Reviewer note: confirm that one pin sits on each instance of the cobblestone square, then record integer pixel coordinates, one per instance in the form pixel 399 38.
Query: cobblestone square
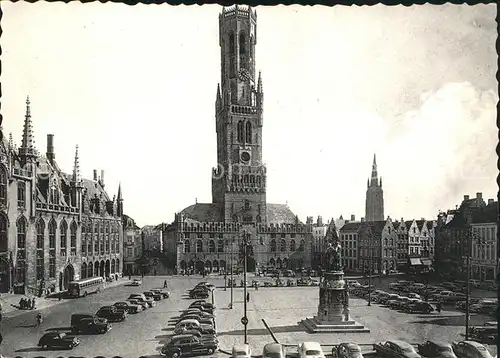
pixel 283 309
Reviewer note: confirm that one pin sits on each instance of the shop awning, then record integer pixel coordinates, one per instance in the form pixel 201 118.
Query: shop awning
pixel 426 262
pixel 415 262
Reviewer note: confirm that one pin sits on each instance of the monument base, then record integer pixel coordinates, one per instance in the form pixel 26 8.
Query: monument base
pixel 316 325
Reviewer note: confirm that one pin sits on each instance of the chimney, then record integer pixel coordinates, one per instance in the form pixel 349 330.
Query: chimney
pixel 402 220
pixel 353 217
pixel 362 220
pixel 102 178
pixel 50 148
pixel 466 197
pixel 95 174
pixel 423 219
pixel 479 196
pixel 491 201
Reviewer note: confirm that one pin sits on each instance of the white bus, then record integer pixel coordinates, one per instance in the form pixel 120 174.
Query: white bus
pixel 85 286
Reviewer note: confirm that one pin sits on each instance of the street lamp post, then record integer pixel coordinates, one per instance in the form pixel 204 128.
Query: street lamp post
pixel 244 320
pixel 232 279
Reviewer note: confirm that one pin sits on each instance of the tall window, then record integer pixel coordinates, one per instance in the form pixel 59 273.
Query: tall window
pixel 292 246
pixel 220 245
pixel 282 245
pixel 52 248
pixel 232 65
pixel 240 131
pixel 248 132
pixel 89 240
pixel 243 50
pixel 54 193
pixel 199 246
pixel 211 246
pixel 40 242
pixel 4 246
pixel 72 236
pixel 63 237
pixel 3 186
pixel 187 246
pixel 302 245
pixel 21 194
pixel 96 238
pixel 273 245
pixel 83 240
pixel 107 238
pixel 21 250
pixel 101 238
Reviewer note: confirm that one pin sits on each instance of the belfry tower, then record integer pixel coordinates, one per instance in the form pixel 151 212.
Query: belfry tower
pixel 239 181
pixel 374 196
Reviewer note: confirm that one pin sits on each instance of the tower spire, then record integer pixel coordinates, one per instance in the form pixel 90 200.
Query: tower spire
pixel 119 204
pixel 76 167
pixel 28 141
pixel 11 142
pixel 374 178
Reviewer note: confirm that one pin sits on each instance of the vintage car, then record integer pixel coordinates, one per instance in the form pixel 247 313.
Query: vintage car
pixel 89 324
pixel 127 306
pixel 165 294
pixel 347 350
pixel 419 307
pixel 395 348
pixel 310 350
pixel 198 313
pixel 136 282
pixel 241 350
pixel 199 293
pixel 153 295
pixel 188 324
pixel 188 345
pixel 143 298
pixel 111 313
pixel 201 335
pixel 143 304
pixel 484 334
pixel 202 304
pixel 202 320
pixel 273 350
pixel 436 349
pixel 58 340
pixel 470 349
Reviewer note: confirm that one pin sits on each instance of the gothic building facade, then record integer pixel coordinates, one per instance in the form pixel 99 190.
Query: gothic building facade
pixel 207 235
pixel 374 196
pixel 54 227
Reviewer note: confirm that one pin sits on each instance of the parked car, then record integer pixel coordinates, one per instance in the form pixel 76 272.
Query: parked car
pixel 141 297
pixel 205 284
pixel 419 307
pixel 153 296
pixel 58 340
pixel 199 293
pixel 475 283
pixel 273 350
pixel 202 320
pixel 128 307
pixel 136 282
pixel 187 324
pixel 460 305
pixel 165 294
pixel 143 304
pixel 200 304
pixel 197 314
pixel 88 323
pixel 112 314
pixel 414 295
pixel 485 306
pixel 347 350
pixel 310 350
pixel 484 334
pixel 470 349
pixel 201 335
pixel 241 350
pixel 436 349
pixel 395 348
pixel 188 345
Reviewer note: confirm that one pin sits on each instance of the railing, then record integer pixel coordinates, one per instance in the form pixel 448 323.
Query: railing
pixel 55 207
pixel 243 109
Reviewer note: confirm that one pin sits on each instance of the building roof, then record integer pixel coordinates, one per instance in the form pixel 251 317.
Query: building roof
pixel 408 223
pixel 488 214
pixel 377 226
pixel 420 224
pixel 351 226
pixel 280 213
pixel 396 224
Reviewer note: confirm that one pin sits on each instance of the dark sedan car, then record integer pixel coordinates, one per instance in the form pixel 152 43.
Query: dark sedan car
pixel 202 304
pixel 198 334
pixel 395 349
pixel 419 307
pixel 165 294
pixel 188 345
pixel 198 314
pixel 152 295
pixel 128 307
pixel 436 349
pixel 58 340
pixel 198 294
pixel 202 320
pixel 112 314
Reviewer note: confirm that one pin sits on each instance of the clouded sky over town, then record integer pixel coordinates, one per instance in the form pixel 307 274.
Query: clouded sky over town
pixel 135 88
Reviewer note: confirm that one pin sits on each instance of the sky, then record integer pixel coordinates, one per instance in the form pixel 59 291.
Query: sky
pixel 135 87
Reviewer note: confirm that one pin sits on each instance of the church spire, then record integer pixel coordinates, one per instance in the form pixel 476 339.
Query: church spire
pixel 27 148
pixel 11 142
pixel 374 178
pixel 76 167
pixel 119 199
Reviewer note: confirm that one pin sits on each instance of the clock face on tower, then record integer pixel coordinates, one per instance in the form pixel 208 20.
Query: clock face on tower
pixel 245 157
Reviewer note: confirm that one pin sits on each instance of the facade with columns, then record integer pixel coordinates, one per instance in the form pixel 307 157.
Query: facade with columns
pixel 209 236
pixel 54 227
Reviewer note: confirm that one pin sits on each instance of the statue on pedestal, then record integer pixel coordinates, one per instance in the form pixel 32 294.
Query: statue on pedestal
pixel 333 257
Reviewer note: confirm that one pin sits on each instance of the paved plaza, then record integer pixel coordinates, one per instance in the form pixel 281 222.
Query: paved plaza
pixel 143 334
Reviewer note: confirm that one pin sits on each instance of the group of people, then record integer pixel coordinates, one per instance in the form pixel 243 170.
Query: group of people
pixel 27 304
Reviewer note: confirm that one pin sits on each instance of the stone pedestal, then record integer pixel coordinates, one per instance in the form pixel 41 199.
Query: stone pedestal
pixel 333 309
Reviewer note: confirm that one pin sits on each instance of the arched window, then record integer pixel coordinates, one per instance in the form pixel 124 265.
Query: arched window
pixel 83 240
pixel 258 181
pixel 258 218
pixel 220 245
pixel 240 131
pixel 302 245
pixel 72 236
pixel 199 246
pixel 243 45
pixel 282 245
pixel 273 245
pixel 248 132
pixel 292 246
pixel 52 234
pixel 4 242
pixel 40 242
pixel 187 246
pixel 235 218
pixel 54 193
pixel 89 240
pixel 211 246
pixel 386 242
pixel 21 194
pixel 3 186
pixel 64 237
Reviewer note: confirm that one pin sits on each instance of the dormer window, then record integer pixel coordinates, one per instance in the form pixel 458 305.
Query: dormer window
pixel 54 193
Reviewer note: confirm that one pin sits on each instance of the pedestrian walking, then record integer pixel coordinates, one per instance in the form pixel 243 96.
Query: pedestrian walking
pixel 33 303
pixel 165 285
pixel 438 307
pixel 248 296
pixel 60 296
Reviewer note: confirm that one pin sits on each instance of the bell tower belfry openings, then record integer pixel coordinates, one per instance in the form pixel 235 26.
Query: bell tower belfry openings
pixel 239 181
pixel 374 196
